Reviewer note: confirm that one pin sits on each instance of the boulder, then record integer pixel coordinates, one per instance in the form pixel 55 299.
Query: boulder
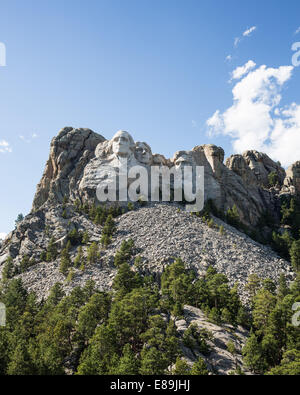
pixel 292 179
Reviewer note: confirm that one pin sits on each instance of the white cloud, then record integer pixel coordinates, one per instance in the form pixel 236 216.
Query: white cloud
pixel 28 140
pixel 215 123
pixel 236 41
pixel 297 30
pixel 255 120
pixel 2 235
pixel 4 147
pixel 242 70
pixel 248 32
pixel 228 58
pixel 285 136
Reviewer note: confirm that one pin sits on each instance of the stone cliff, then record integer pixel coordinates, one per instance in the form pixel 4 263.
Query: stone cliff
pixel 160 231
pixel 76 157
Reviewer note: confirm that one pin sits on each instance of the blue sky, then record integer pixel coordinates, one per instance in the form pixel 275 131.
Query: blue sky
pixel 159 69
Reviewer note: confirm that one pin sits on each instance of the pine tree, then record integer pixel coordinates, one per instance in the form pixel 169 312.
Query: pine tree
pixel 51 251
pixel 269 285
pixel 4 351
pixel 92 212
pixel 270 350
pixel 232 216
pixel 95 311
pixel 124 254
pixel 210 223
pixel 153 362
pixel 253 285
pixel 253 355
pixel 97 219
pixel 125 280
pixel 8 269
pixel 19 219
pixel 231 348
pixel 107 231
pixel 128 363
pixel 177 310
pixel 79 257
pixel 65 261
pixel 105 240
pixel 295 255
pixel 85 238
pixel 214 316
pixel 56 294
pixel 264 303
pixel 282 290
pixel 109 226
pixel 273 178
pixel 20 361
pixel 181 367
pixel 243 317
pixel 74 237
pixel 77 205
pixel 226 316
pixel 289 365
pixel 93 253
pixel 26 263
pixel 282 243
pixel 130 206
pixel 199 368
pixel 70 276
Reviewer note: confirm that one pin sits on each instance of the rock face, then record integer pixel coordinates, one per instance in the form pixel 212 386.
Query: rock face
pixel 78 158
pixel 292 179
pixel 70 152
pixel 218 360
pixel 254 168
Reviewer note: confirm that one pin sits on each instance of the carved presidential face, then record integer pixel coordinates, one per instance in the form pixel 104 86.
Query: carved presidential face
pixel 182 159
pixel 159 160
pixel 122 144
pixel 143 153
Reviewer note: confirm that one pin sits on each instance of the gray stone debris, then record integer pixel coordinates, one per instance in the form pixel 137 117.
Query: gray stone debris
pixel 161 232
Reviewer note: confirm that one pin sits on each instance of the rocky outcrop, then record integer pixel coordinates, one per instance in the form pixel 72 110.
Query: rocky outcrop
pixel 70 151
pixel 254 168
pixel 79 159
pixel 239 166
pixel 292 179
pixel 227 187
pixel 219 360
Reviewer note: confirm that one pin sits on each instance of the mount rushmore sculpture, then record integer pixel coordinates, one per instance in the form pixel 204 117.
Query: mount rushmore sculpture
pixel 78 157
pixel 124 170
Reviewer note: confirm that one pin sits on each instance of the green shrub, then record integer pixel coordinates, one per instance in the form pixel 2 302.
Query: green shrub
pixel 273 178
pixel 93 253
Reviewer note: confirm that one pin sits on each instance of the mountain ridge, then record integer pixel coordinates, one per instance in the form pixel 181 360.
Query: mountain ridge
pixel 71 153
